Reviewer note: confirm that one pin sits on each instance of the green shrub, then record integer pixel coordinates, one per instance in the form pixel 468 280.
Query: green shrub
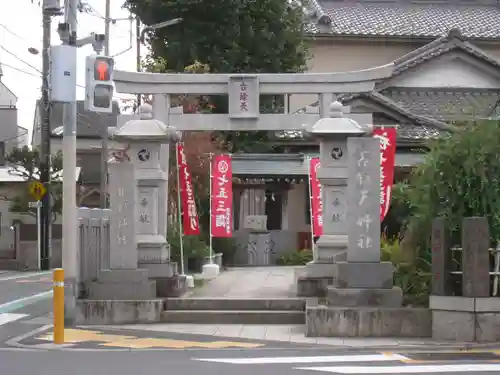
pixel 194 246
pixel 414 279
pixel 295 258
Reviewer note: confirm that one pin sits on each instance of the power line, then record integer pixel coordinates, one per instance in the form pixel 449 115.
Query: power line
pixel 20 70
pixel 20 59
pixel 12 32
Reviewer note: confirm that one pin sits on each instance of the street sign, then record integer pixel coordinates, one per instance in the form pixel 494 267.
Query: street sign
pixel 37 190
pixel 36 204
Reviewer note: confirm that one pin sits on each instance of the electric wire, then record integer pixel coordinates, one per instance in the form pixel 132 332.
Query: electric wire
pixel 20 59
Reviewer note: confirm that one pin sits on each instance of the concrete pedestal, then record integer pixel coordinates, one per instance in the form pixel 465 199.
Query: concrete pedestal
pixel 392 297
pixel 154 256
pixel 123 285
pixel 210 271
pixel 189 281
pixel 465 318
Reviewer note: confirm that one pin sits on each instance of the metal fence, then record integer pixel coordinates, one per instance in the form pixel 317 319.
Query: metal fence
pixel 494 273
pixel 93 238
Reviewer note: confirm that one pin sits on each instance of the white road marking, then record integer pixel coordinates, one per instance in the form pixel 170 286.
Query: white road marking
pixel 25 301
pixel 315 359
pixel 406 369
pixel 25 275
pixel 8 317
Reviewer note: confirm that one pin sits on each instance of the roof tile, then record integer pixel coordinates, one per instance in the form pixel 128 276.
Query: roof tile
pixel 412 20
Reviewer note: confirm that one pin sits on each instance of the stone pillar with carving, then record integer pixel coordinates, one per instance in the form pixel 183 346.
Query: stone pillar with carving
pixel 145 138
pixel 332 132
pixel 124 280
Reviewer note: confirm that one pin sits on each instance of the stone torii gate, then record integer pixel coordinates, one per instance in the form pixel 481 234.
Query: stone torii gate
pixel 243 91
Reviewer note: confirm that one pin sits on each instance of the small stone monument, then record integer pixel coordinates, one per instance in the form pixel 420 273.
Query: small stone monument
pixel 144 138
pixel 331 247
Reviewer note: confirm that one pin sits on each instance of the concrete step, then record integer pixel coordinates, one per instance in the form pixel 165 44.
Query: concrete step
pixel 233 304
pixel 233 317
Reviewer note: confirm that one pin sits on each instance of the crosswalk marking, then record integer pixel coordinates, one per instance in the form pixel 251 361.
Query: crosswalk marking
pixel 315 359
pixel 407 369
pixel 9 317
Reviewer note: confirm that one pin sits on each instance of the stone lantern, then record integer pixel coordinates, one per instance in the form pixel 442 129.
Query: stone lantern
pixel 143 138
pixel 332 133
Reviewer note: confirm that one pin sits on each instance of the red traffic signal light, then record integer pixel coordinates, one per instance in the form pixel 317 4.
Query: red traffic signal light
pixel 102 69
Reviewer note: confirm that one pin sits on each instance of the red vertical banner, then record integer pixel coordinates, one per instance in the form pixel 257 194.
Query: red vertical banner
pixel 221 197
pixel 190 222
pixel 387 137
pixel 316 201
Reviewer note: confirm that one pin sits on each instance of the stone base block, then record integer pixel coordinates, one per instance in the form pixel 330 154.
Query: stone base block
pixel 313 286
pixel 331 248
pixel 158 270
pixel 317 269
pixel 365 275
pixel 89 312
pixel 465 318
pixel 210 271
pixel 123 276
pixel 174 286
pixel 326 321
pixel 122 285
pixel 365 297
pixel 122 291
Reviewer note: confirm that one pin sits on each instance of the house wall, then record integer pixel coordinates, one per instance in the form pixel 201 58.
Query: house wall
pixel 348 55
pixel 7 97
pixel 8 127
pixel 22 137
pixel 329 56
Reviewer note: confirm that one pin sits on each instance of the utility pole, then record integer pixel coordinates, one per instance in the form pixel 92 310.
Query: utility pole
pixel 138 53
pixel 69 240
pixel 104 129
pixel 45 216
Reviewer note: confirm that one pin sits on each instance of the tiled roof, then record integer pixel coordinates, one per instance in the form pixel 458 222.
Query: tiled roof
pixel 447 106
pixel 414 128
pixel 410 18
pixel 454 40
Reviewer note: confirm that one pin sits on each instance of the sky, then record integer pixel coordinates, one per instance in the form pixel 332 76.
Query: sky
pixel 21 28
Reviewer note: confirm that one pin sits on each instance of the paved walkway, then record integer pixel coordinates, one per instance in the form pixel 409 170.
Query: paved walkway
pixel 292 334
pixel 250 282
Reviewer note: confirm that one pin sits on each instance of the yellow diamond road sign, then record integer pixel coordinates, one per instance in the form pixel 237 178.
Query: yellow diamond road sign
pixel 37 190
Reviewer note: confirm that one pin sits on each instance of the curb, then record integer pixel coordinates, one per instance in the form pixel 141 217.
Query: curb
pixel 464 347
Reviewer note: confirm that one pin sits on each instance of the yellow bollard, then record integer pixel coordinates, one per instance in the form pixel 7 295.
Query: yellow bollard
pixel 58 301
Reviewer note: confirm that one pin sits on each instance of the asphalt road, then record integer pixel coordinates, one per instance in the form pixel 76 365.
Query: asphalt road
pixel 25 302
pixel 223 362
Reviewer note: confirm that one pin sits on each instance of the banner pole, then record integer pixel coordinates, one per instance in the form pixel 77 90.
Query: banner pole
pixel 179 209
pixel 210 222
pixel 313 245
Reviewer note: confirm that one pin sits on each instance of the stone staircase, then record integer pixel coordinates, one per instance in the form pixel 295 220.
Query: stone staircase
pixel 234 310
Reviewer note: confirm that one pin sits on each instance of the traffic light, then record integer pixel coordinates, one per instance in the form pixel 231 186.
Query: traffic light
pixel 99 86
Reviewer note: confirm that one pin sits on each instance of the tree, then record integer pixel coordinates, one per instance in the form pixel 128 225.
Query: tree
pixel 229 36
pixel 26 163
pixel 459 178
